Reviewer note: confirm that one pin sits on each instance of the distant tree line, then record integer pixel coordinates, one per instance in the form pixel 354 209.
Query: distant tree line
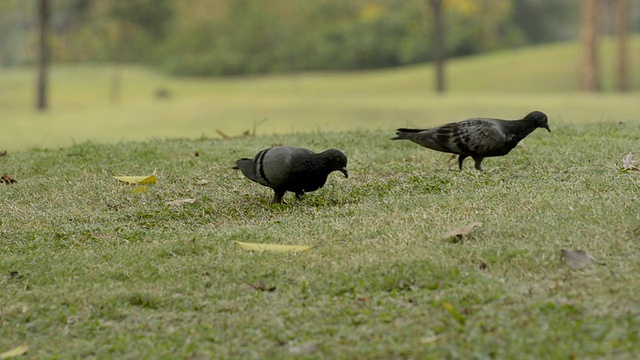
pixel 231 37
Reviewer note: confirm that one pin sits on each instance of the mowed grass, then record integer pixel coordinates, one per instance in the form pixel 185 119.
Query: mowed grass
pixel 505 84
pixel 89 269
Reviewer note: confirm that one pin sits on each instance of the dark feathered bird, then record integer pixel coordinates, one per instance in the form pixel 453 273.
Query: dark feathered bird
pixel 477 138
pixel 287 168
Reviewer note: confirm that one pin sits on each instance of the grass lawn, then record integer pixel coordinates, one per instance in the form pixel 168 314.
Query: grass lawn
pixel 505 84
pixel 89 269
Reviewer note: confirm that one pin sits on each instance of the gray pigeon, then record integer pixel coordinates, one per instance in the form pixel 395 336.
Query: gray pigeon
pixel 287 168
pixel 477 137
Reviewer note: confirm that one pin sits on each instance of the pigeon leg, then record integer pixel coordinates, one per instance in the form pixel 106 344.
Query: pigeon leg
pixel 460 160
pixel 277 197
pixel 451 159
pixel 478 161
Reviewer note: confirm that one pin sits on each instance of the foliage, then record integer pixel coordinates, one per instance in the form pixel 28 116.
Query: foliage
pixel 230 37
pixel 330 35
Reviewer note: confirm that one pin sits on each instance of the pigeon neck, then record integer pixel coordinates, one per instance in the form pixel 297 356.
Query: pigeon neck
pixel 520 129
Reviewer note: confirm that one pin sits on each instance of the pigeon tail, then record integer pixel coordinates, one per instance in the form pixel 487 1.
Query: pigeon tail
pixel 403 133
pixel 247 167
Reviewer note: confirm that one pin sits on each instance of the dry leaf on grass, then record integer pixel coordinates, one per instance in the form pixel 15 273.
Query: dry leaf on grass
pixel 149 179
pixel 577 259
pixel 140 189
pixel 260 286
pixel 227 137
pixel 15 352
pixel 7 179
pixel 627 163
pixel 455 313
pixel 180 202
pixel 202 182
pixel 458 233
pixel 273 247
pixel 303 349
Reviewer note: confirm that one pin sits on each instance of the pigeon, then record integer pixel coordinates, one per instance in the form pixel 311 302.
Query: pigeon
pixel 288 168
pixel 477 138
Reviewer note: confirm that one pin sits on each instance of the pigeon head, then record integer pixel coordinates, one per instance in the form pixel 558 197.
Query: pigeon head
pixel 336 160
pixel 539 118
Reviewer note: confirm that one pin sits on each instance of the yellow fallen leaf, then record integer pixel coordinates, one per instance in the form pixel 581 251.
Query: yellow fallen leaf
pixel 150 179
pixel 455 313
pixel 273 247
pixel 462 231
pixel 18 351
pixel 140 189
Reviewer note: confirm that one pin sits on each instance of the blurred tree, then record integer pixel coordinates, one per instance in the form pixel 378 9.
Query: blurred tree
pixel 227 37
pixel 135 17
pixel 546 20
pixel 438 43
pixel 622 9
pixel 42 63
pixel 590 73
pixel 15 17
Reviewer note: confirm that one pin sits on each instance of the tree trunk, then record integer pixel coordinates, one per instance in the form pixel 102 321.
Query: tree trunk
pixel 589 74
pixel 622 31
pixel 115 89
pixel 438 43
pixel 42 54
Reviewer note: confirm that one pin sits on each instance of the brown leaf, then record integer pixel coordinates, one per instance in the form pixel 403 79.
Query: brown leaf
pixel 4 153
pixel 7 179
pixel 260 286
pixel 577 259
pixel 223 135
pixel 458 233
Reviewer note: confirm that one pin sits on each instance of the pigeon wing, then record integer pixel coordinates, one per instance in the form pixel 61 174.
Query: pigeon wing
pixel 441 138
pixel 479 137
pixel 284 164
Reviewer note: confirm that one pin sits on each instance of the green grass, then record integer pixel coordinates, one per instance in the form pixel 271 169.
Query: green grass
pixel 503 84
pixel 101 272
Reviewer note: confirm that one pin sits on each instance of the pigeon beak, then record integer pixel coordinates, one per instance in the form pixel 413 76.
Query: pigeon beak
pixel 344 171
pixel 547 127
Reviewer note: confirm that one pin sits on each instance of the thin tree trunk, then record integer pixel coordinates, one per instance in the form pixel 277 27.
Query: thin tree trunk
pixel 438 43
pixel 42 54
pixel 115 90
pixel 622 31
pixel 589 74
